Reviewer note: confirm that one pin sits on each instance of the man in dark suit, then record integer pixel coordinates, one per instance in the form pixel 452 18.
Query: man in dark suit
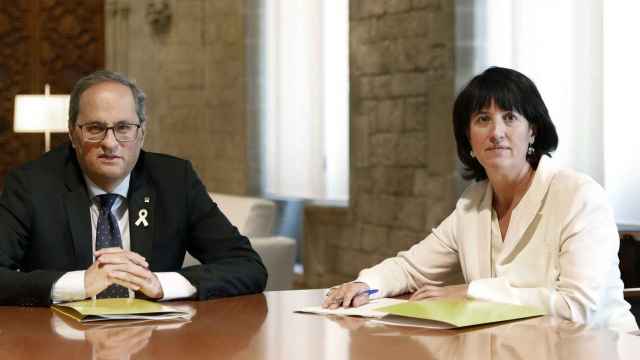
pixel 101 216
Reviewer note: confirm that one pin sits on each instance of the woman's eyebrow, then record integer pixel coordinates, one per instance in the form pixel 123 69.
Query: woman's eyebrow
pixel 479 112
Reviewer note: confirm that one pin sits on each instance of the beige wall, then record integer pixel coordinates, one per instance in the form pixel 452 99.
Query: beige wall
pixel 402 166
pixel 401 141
pixel 194 71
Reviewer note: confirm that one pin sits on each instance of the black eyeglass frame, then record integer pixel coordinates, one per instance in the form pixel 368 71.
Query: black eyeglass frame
pixel 106 130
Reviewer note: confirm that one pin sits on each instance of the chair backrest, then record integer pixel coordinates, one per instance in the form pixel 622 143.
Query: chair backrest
pixel 629 255
pixel 254 217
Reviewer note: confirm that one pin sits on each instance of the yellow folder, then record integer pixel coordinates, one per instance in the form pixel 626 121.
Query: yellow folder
pixel 119 309
pixel 454 313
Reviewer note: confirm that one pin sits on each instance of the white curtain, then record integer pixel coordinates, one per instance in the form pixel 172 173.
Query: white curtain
pixel 622 125
pixel 305 122
pixel 583 57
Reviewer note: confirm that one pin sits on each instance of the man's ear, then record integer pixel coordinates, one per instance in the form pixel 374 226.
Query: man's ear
pixel 73 145
pixel 143 127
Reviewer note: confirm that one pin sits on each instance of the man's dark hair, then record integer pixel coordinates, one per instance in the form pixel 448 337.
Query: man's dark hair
pixel 98 77
pixel 511 91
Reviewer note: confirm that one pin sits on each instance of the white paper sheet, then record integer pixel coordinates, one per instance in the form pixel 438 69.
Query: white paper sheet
pixel 362 311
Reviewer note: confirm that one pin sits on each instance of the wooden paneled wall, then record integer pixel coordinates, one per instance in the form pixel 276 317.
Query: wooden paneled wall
pixel 43 41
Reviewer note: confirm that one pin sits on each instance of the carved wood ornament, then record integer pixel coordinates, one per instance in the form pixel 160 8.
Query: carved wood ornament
pixel 43 41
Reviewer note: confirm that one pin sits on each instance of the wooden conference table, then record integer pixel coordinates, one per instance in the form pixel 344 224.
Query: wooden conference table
pixel 264 327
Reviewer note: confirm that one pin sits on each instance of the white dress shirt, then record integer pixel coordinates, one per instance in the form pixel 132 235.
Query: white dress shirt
pixel 70 286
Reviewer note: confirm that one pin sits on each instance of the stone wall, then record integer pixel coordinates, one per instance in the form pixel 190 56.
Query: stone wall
pixel 402 152
pixel 190 57
pixel 200 70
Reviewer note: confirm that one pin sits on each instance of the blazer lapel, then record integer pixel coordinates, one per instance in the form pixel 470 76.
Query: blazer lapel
pixel 77 205
pixel 141 203
pixel 483 234
pixel 476 227
pixel 529 207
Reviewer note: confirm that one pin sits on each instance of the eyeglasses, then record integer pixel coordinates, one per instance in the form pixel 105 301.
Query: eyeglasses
pixel 96 132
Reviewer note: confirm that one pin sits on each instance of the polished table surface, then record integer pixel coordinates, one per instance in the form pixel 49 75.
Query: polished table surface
pixel 264 326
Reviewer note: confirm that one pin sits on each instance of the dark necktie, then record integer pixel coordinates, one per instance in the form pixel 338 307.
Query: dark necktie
pixel 108 235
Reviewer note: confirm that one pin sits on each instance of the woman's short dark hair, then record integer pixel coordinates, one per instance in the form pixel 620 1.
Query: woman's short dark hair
pixel 510 90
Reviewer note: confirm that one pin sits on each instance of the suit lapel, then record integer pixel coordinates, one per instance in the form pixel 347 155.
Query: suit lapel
pixel 141 202
pixel 77 205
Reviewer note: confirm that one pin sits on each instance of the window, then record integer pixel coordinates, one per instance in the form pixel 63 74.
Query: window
pixel 306 117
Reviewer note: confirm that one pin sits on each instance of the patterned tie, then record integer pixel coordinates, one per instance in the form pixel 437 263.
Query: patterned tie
pixel 108 235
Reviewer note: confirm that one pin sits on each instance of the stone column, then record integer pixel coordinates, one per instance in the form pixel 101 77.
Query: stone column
pixel 402 152
pixel 190 57
pixel 117 35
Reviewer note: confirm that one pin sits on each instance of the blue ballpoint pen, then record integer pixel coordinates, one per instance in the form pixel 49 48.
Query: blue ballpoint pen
pixel 368 292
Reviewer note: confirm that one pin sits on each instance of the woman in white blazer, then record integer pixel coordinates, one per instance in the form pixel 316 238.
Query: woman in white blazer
pixel 525 232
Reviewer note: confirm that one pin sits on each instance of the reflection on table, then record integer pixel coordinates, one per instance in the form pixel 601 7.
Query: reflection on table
pixel 114 339
pixel 264 327
pixel 540 338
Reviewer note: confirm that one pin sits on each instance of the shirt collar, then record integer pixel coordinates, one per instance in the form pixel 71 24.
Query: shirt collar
pixel 94 190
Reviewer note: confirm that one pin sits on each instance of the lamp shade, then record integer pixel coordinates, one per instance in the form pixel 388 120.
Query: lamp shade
pixel 41 113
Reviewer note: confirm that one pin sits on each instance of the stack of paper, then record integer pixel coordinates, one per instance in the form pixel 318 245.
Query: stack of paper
pixel 453 313
pixel 434 314
pixel 362 311
pixel 119 309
